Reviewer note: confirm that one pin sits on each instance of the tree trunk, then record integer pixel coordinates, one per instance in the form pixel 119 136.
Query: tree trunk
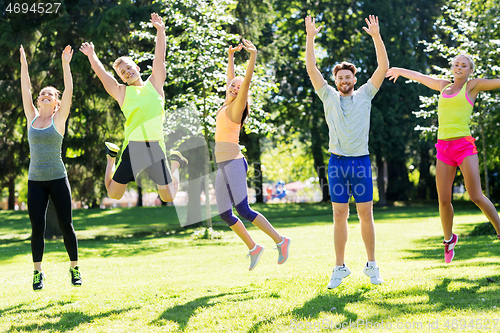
pixel 398 182
pixel 12 193
pixel 196 151
pixel 381 180
pixel 139 196
pixel 319 164
pixel 52 228
pixel 424 170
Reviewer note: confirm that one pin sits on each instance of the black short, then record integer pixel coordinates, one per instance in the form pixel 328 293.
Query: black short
pixel 142 160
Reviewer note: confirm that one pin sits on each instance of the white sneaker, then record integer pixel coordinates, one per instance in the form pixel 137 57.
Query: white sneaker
pixel 337 276
pixel 373 273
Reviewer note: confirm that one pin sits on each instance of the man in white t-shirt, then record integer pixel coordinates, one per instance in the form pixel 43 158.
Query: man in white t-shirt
pixel 347 114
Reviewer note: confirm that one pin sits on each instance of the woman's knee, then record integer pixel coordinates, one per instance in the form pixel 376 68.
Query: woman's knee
pixel 229 217
pixel 246 212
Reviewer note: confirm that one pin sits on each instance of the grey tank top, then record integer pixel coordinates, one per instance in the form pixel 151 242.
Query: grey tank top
pixel 45 150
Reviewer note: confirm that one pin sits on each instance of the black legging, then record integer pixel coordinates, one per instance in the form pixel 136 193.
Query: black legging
pixel 38 199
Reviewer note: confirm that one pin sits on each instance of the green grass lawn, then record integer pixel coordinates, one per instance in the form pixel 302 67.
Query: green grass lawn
pixel 143 273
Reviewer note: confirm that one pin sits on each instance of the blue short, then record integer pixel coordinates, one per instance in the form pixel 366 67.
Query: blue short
pixel 350 175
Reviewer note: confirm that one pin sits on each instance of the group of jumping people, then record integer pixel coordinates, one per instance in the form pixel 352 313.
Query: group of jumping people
pixel 347 112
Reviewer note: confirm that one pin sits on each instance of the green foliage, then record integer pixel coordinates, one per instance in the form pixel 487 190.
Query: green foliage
pixel 196 63
pixel 207 233
pixel 287 160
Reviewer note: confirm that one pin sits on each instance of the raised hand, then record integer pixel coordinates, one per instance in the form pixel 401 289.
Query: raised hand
pixel 87 48
pixel 234 49
pixel 247 45
pixel 67 54
pixel 393 74
pixel 157 21
pixel 311 26
pixel 373 27
pixel 22 56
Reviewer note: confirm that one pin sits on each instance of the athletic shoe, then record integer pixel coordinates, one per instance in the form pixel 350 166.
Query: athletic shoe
pixel 177 156
pixel 76 277
pixel 449 249
pixel 283 250
pixel 337 276
pixel 111 149
pixel 373 273
pixel 255 256
pixel 38 278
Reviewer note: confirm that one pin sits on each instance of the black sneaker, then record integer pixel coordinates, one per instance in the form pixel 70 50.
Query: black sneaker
pixel 177 156
pixel 38 278
pixel 111 149
pixel 76 277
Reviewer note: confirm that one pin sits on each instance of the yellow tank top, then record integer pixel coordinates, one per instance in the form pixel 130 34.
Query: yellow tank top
pixel 143 108
pixel 227 138
pixel 454 114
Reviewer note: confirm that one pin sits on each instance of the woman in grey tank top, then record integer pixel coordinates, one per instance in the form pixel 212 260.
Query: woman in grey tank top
pixel 47 175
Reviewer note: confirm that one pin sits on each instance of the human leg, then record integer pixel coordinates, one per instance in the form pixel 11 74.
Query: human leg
pixel 365 213
pixel 445 175
pixel 38 199
pixel 225 208
pixel 340 232
pixel 470 171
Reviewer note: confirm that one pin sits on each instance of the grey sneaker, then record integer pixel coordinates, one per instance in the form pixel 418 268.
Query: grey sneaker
pixel 373 273
pixel 255 256
pixel 111 149
pixel 283 250
pixel 38 279
pixel 337 276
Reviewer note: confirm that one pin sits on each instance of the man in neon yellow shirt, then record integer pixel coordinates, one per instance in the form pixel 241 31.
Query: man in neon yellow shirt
pixel 142 103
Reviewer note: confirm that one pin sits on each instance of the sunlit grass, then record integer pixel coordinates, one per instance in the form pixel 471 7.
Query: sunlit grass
pixel 143 273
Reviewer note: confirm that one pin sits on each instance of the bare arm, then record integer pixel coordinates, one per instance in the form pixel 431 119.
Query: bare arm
pixel 159 73
pixel 382 60
pixel 479 85
pixel 314 74
pixel 235 110
pixel 29 107
pixel 433 83
pixel 114 89
pixel 230 63
pixel 61 115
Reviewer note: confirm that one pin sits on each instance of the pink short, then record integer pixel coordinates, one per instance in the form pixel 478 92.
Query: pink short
pixel 455 151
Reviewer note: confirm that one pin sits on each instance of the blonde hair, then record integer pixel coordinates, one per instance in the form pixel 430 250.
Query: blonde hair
pixel 119 61
pixel 468 57
pixel 58 101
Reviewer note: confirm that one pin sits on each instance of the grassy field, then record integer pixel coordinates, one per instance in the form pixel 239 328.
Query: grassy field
pixel 143 273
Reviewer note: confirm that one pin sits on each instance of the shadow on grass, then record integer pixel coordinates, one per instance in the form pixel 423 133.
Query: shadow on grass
pixel 66 320
pixel 181 313
pixel 391 306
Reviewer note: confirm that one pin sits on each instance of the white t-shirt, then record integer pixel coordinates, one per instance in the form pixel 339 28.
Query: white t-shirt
pixel 348 120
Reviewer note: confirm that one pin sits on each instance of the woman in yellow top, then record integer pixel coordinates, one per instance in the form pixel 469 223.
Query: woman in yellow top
pixel 231 183
pixel 142 103
pixel 455 146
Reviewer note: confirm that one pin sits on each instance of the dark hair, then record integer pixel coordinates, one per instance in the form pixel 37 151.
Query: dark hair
pixel 245 114
pixel 344 65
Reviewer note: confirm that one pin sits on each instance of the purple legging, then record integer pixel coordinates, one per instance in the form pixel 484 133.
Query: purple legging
pixel 231 191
